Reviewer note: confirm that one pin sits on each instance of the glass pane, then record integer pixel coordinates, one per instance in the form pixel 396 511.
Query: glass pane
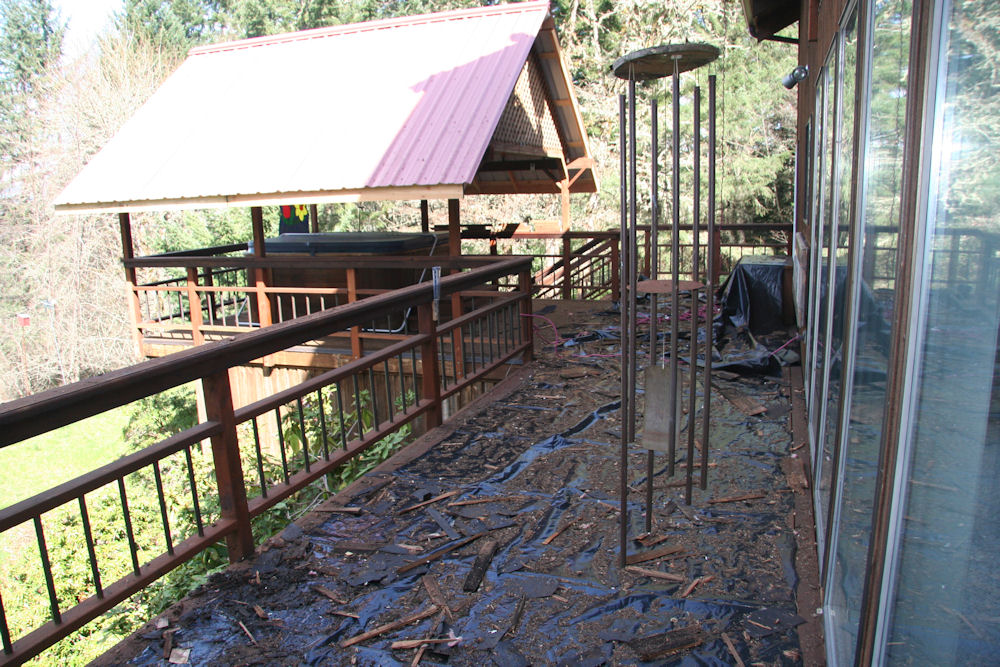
pixel 847 64
pixel 947 585
pixel 827 185
pixel 878 239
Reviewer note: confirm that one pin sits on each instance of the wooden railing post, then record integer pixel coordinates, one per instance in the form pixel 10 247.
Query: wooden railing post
pixel 135 310
pixel 567 274
pixel 194 305
pixel 527 326
pixel 615 268
pixel 228 468
pixel 357 349
pixel 429 372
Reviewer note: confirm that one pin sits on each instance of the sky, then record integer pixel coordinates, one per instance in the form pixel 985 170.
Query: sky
pixel 86 19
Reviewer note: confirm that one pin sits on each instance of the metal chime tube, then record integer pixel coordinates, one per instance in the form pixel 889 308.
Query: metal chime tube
pixel 695 247
pixel 709 285
pixel 633 258
pixel 654 205
pixel 623 312
pixel 675 242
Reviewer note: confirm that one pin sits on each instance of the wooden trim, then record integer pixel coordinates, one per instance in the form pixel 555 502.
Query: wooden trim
pixel 454 228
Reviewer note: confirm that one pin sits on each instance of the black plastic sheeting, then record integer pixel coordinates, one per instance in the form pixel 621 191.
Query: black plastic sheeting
pixel 577 607
pixel 751 297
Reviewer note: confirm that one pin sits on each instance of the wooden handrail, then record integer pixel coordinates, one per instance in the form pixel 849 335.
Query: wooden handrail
pixel 39 413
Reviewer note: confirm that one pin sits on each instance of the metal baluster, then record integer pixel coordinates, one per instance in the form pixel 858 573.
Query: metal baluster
pixel 281 444
pixel 133 549
pixel 302 433
pixel 163 508
pixel 91 554
pixel 194 489
pixel 322 424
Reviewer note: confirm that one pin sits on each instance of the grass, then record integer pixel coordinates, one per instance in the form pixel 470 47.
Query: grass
pixel 38 464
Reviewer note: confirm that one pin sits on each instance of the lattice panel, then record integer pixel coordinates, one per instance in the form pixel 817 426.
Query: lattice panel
pixel 526 120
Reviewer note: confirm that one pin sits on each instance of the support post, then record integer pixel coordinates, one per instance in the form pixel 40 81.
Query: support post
pixel 429 371
pixel 357 347
pixel 567 275
pixel 194 306
pixel 260 274
pixel 527 330
pixel 454 228
pixel 564 220
pixel 425 216
pixel 135 312
pixel 314 218
pixel 616 259
pixel 228 470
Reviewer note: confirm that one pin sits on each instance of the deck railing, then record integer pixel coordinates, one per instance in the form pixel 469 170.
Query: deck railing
pixel 592 257
pixel 321 424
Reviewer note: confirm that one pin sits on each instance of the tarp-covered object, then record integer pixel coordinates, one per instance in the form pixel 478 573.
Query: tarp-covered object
pixel 752 294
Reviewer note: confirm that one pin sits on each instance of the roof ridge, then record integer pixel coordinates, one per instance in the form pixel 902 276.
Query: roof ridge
pixel 369 26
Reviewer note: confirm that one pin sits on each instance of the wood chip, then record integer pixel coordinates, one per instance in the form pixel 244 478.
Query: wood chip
pixel 389 627
pixel 652 555
pixel 479 501
pixel 433 500
pixel 248 633
pixel 436 596
pixel 323 590
pixel 736 499
pixel 257 609
pixel 345 614
pixel 448 548
pixel 655 574
pixel 417 643
pixel 694 584
pixel 180 656
pixel 559 531
pixel 732 650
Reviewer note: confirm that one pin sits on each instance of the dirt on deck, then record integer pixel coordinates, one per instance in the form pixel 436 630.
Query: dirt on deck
pixel 522 492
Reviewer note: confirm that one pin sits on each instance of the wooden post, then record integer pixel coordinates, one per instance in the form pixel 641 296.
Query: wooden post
pixel 454 229
pixel 228 470
pixel 527 327
pixel 615 267
pixel 567 257
pixel 564 221
pixel 425 216
pixel 314 218
pixel 357 347
pixel 648 250
pixel 135 312
pixel 194 305
pixel 260 275
pixel 429 371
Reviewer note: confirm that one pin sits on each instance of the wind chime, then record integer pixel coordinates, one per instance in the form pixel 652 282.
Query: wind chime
pixel 663 381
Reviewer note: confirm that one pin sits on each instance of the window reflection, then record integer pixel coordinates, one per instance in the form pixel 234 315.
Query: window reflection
pixel 947 607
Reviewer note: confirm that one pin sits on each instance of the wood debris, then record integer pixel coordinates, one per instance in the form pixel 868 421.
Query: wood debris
pixel 417 643
pixel 252 639
pixel 433 500
pixel 742 402
pixel 736 499
pixel 652 555
pixel 339 510
pixel 694 584
pixel 559 531
pixel 667 643
pixel 257 609
pixel 436 596
pixel 732 650
pixel 655 574
pixel 444 524
pixel 323 590
pixel 479 567
pixel 479 501
pixel 389 627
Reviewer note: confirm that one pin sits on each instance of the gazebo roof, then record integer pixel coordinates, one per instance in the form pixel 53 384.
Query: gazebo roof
pixel 422 107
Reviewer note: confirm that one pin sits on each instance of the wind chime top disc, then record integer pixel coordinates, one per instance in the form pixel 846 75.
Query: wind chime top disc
pixel 657 62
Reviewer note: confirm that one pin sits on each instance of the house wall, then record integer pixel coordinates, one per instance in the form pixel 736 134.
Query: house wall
pixel 897 221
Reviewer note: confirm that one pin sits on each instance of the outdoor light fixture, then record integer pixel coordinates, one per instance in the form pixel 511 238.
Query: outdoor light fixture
pixel 796 75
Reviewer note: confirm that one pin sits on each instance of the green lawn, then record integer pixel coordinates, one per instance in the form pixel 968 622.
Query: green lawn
pixel 40 463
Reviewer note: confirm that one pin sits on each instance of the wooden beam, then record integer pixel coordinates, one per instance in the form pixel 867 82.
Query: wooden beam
pixel 314 218
pixel 260 275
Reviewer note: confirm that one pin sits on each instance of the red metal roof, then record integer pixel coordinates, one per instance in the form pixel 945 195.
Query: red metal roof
pixel 394 109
